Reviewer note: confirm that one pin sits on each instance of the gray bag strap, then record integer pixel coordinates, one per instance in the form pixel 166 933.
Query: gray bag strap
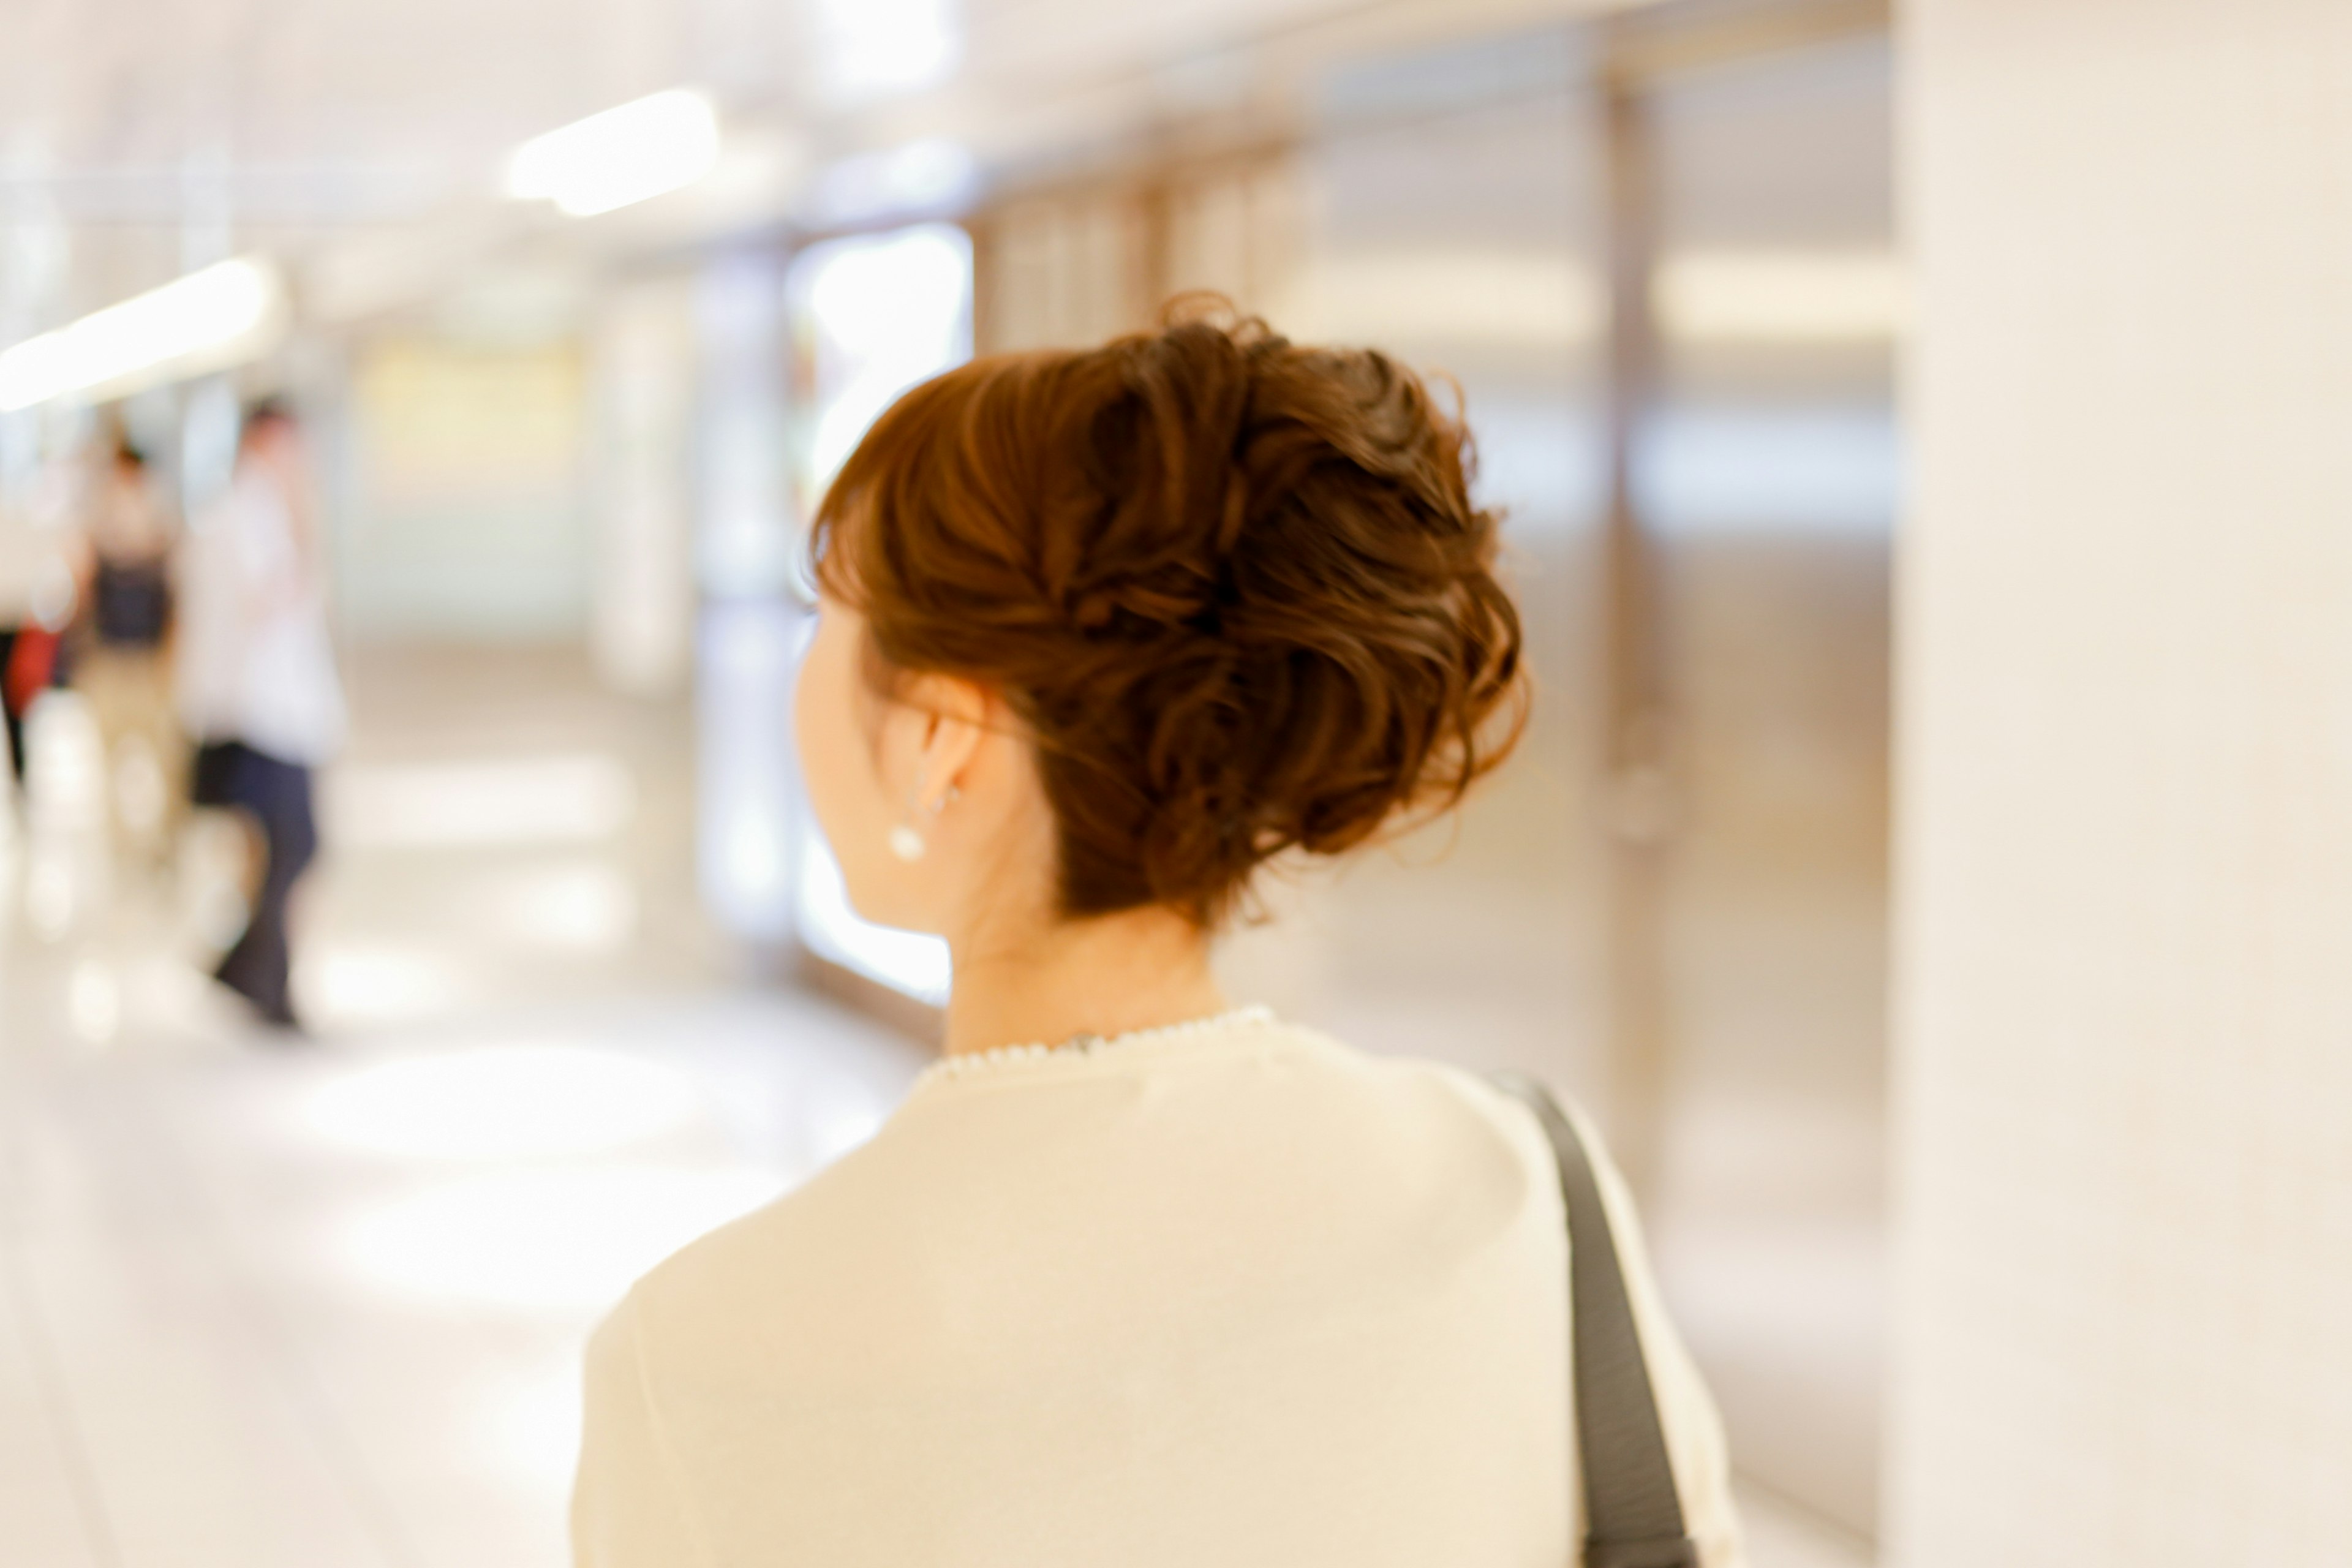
pixel 1633 1516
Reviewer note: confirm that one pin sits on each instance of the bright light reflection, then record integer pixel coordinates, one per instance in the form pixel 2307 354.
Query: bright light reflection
pixel 887 311
pixel 1771 469
pixel 1781 296
pixel 67 863
pixel 745 782
pixel 566 1242
pixel 585 907
pixel 502 1103
pixel 528 1434
pixel 876 48
pixel 627 154
pixel 883 312
pixel 220 311
pixel 1531 298
pixel 356 984
pixel 1461 294
pixel 94 1002
pixel 905 960
pixel 65 775
pixel 514 800
pixel 926 176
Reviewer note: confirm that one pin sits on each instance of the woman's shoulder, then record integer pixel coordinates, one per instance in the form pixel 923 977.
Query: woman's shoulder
pixel 1262 1086
pixel 1270 1134
pixel 1408 1095
pixel 978 1133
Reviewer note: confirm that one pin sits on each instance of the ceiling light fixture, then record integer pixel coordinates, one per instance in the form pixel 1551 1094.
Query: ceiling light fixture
pixel 207 320
pixel 640 149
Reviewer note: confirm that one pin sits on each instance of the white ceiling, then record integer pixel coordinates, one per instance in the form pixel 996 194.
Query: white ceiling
pixel 137 136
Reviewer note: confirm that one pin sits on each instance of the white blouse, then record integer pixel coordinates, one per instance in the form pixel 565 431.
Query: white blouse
pixel 1230 1294
pixel 255 662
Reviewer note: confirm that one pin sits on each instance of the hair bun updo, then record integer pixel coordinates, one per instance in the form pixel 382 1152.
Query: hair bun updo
pixel 1236 589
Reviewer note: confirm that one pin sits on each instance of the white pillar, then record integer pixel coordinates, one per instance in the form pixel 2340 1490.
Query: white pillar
pixel 642 360
pixel 2125 927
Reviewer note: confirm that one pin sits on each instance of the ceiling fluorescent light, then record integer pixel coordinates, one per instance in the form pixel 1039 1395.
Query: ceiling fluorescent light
pixel 627 154
pixel 881 48
pixel 207 320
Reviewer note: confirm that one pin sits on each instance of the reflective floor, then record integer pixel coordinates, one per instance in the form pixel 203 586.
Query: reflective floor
pixel 321 1303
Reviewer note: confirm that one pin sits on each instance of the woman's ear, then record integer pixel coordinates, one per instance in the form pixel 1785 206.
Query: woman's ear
pixel 958 716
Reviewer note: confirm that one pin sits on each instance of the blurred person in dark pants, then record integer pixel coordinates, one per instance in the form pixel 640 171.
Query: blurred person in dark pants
pixel 123 670
pixel 257 687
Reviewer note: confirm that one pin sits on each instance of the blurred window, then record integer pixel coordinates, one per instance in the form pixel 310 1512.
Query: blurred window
pixel 869 317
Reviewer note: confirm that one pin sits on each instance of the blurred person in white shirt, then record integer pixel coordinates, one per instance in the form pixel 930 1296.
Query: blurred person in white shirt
pixel 257 687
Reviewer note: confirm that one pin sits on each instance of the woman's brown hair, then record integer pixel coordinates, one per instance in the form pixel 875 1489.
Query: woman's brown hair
pixel 1234 588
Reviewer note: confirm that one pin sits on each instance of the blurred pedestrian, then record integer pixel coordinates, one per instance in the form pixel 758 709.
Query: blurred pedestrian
pixel 123 670
pixel 20 563
pixel 40 568
pixel 258 686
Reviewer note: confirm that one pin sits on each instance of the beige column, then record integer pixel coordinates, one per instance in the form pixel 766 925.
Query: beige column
pixel 2123 1330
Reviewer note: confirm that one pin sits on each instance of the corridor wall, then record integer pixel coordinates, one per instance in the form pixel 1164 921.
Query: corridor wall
pixel 2124 1333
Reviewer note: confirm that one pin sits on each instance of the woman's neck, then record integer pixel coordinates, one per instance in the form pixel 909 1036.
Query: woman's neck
pixel 1107 975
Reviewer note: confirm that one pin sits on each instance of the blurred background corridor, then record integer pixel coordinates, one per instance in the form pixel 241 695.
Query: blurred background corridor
pixel 575 305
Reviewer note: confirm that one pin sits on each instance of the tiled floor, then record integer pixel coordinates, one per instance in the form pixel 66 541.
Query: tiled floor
pixel 321 1305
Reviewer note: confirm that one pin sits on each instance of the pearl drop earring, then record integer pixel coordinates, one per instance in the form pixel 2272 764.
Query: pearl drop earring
pixel 908 844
